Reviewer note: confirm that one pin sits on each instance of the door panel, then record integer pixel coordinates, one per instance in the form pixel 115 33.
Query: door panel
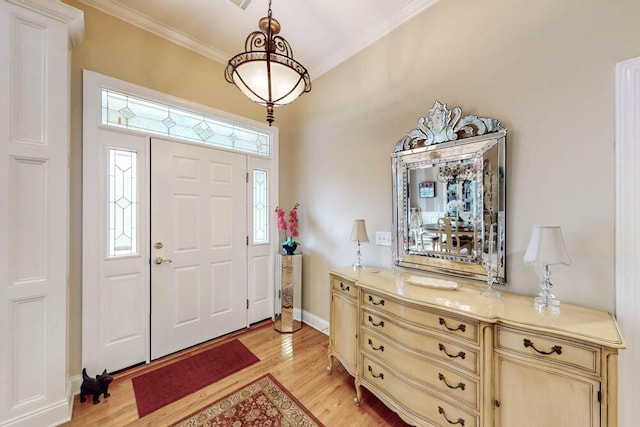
pixel 115 289
pixel 261 200
pixel 199 252
pixel 552 397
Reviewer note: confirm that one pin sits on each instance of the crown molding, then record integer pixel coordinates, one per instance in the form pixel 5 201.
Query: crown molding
pixel 346 50
pixel 74 18
pixel 137 19
pixel 352 47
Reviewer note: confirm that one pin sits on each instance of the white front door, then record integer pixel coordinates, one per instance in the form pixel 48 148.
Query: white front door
pixel 215 225
pixel 198 245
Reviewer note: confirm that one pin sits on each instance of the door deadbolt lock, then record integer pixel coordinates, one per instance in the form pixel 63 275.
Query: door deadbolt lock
pixel 159 260
pixel 158 245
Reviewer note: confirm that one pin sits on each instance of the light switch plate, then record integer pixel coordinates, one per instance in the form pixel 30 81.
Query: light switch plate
pixel 383 238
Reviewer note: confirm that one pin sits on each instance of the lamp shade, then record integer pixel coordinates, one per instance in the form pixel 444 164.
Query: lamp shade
pixel 274 82
pixel 266 71
pixel 546 246
pixel 359 231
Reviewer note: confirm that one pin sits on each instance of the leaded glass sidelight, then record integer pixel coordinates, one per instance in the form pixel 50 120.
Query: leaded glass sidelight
pixel 260 206
pixel 130 112
pixel 123 202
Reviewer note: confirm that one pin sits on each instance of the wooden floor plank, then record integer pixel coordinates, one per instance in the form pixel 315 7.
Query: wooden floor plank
pixel 298 361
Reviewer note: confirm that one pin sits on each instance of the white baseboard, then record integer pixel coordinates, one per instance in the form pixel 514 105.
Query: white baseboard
pixel 50 415
pixel 73 387
pixel 315 322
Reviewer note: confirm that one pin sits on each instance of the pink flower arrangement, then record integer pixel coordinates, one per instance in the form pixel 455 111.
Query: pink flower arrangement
pixel 290 227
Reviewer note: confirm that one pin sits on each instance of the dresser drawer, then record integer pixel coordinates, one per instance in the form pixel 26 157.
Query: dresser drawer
pixel 421 341
pixel 421 369
pixel 460 327
pixel 345 287
pixel 420 401
pixel 551 349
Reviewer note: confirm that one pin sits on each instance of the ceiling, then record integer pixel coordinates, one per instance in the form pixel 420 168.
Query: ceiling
pixel 322 33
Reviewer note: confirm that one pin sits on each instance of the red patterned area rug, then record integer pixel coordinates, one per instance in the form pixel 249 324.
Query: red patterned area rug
pixel 162 386
pixel 263 403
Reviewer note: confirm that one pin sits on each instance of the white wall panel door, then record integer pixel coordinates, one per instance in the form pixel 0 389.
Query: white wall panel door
pixel 34 204
pixel 198 240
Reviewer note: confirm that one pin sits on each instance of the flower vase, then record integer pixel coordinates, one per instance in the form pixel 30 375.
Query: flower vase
pixel 290 249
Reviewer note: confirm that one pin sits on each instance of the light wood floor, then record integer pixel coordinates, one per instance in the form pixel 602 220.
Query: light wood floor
pixel 298 361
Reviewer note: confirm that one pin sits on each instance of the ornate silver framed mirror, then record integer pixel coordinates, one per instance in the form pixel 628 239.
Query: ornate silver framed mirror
pixel 449 176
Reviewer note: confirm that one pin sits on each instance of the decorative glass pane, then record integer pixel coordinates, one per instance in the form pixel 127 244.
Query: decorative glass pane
pixel 123 202
pixel 129 112
pixel 260 206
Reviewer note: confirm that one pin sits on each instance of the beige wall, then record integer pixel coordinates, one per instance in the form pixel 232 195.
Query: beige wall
pixel 545 69
pixel 117 49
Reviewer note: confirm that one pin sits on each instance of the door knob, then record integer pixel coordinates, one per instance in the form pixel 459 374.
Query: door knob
pixel 159 260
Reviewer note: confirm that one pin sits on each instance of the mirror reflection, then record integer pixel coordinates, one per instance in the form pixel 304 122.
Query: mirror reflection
pixel 442 205
pixel 449 195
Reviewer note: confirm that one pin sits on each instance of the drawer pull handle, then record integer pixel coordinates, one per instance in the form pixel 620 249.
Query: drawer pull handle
pixel 459 421
pixel 441 377
pixel 381 348
pixel 380 375
pixel 460 354
pixel 344 288
pixel 381 323
pixel 461 327
pixel 555 349
pixel 375 303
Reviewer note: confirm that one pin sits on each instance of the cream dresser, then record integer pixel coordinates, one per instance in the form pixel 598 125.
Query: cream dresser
pixel 451 357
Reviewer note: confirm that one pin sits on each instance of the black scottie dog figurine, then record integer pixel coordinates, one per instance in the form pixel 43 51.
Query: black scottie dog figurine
pixel 95 387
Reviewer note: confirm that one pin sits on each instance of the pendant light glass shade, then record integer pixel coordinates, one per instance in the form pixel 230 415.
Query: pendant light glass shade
pixel 266 72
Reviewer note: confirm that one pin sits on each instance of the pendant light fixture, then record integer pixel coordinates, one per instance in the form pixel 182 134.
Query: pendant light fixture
pixel 266 71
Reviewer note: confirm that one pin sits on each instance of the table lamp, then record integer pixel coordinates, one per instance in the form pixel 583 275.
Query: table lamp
pixel 546 247
pixel 359 234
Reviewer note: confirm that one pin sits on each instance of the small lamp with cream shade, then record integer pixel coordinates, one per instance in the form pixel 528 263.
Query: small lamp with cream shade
pixel 546 247
pixel 359 234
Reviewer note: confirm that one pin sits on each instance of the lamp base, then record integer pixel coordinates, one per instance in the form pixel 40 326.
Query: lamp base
pixel 358 265
pixel 546 303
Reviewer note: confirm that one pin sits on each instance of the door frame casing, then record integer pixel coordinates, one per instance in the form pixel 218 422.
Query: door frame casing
pixel 627 256
pixel 92 85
